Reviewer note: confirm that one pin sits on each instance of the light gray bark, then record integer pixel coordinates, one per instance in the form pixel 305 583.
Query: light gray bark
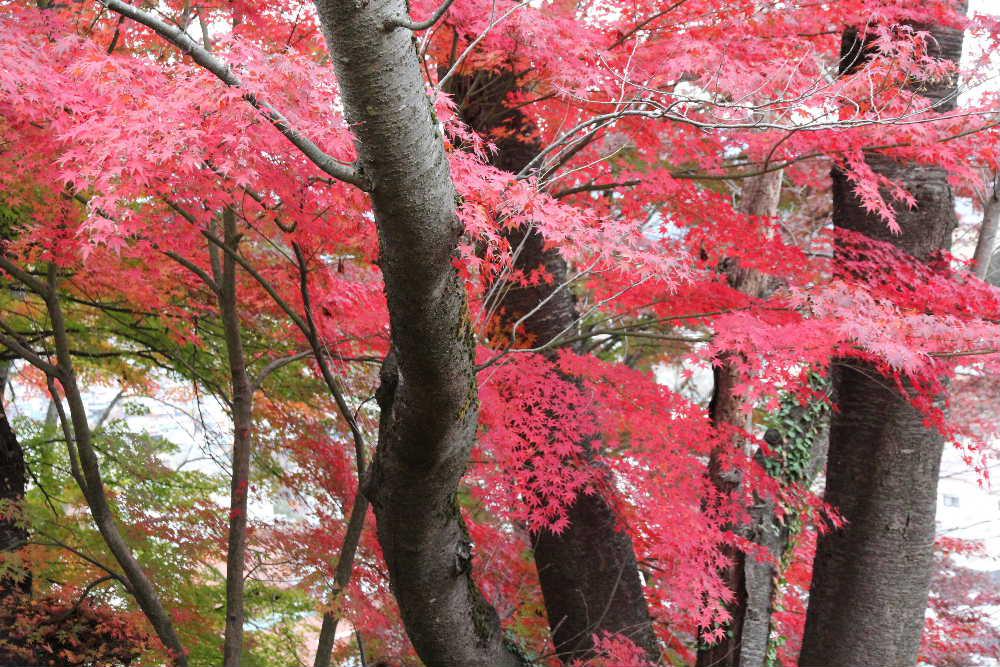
pixel 428 393
pixel 761 196
pixel 986 244
pixel 993 272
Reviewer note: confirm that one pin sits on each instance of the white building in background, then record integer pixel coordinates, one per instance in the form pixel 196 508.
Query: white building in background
pixel 968 508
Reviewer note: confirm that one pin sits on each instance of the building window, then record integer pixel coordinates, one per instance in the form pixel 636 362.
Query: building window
pixel 950 501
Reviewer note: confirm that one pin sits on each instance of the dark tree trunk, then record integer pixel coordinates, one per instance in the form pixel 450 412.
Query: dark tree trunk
pixel 428 392
pixel 993 272
pixel 751 582
pixel 871 578
pixel 241 406
pixel 588 573
pixel 726 408
pixel 589 576
pixel 13 534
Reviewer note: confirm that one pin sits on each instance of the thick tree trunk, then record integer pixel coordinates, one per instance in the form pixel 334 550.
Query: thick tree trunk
pixel 751 581
pixel 871 578
pixel 588 573
pixel 428 392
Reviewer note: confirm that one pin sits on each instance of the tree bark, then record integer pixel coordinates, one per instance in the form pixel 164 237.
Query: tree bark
pixel 993 272
pixel 805 434
pixel 428 392
pixel 341 578
pixel 588 573
pixel 871 578
pixel 241 404
pixel 988 230
pixel 751 581
pixel 13 481
pixel 87 471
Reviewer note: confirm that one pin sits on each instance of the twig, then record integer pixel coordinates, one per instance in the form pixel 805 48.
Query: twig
pixel 341 171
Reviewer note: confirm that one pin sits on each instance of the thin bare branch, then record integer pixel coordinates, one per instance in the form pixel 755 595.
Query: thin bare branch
pixel 277 364
pixel 341 171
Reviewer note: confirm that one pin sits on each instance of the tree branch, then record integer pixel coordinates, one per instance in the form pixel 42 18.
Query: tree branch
pixel 339 170
pixel 392 24
pixel 195 269
pixel 141 586
pixel 276 364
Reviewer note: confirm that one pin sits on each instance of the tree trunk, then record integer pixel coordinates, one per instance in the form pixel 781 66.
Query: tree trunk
pixel 241 405
pixel 993 271
pixel 13 479
pixel 428 392
pixel 871 578
pixel 13 535
pixel 988 230
pixel 87 473
pixel 745 643
pixel 799 440
pixel 588 573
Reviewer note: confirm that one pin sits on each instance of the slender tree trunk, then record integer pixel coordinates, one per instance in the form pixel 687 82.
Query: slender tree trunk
pixel 87 473
pixel 428 393
pixel 241 405
pixel 871 578
pixel 588 573
pixel 727 408
pixel 804 431
pixel 341 577
pixel 745 643
pixel 988 230
pixel 359 510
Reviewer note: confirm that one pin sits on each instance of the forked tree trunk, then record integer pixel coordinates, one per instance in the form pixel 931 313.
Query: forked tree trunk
pixel 588 573
pixel 745 643
pixel 871 578
pixel 428 393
